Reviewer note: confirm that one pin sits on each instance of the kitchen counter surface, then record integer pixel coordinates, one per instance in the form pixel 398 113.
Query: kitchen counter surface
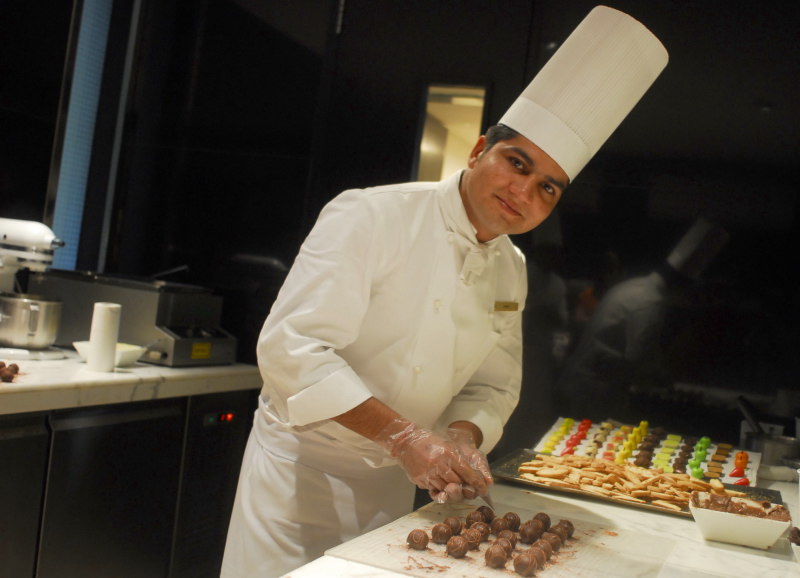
pixel 612 541
pixel 43 385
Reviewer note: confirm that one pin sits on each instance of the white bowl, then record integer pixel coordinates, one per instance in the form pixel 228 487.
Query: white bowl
pixel 737 528
pixel 126 354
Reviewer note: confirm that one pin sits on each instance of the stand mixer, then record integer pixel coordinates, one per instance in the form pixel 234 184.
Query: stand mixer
pixel 27 324
pixel 24 245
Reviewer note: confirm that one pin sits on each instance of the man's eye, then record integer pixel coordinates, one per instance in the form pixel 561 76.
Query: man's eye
pixel 550 189
pixel 516 163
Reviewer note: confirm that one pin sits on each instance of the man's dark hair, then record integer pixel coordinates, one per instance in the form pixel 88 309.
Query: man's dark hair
pixel 497 133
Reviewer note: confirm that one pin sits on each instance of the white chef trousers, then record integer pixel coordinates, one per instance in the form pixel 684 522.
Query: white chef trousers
pixel 299 495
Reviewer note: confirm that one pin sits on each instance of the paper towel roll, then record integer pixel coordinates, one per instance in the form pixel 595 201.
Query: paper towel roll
pixel 103 337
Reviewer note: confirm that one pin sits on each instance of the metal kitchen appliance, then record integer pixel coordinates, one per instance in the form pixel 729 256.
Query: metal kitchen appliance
pixel 24 245
pixel 179 324
pixel 28 323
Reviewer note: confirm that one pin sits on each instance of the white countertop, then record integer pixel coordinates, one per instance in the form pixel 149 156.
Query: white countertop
pixel 624 541
pixel 66 383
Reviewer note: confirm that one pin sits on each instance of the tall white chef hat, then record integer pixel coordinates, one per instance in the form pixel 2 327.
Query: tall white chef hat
pixel 588 87
pixel 697 248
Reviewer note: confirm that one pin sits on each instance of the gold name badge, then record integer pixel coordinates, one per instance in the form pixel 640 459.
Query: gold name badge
pixel 506 306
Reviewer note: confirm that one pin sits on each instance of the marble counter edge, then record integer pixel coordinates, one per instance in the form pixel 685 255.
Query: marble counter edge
pixel 82 388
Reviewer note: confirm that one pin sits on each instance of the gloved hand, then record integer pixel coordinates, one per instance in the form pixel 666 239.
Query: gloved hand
pixel 432 461
pixel 474 457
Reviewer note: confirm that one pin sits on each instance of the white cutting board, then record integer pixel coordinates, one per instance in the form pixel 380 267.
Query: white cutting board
pixel 594 550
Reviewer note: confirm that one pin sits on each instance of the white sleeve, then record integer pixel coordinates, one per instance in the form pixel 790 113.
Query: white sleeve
pixel 318 311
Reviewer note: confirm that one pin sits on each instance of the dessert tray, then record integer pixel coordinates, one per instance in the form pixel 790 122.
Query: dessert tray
pixel 632 465
pixel 507 469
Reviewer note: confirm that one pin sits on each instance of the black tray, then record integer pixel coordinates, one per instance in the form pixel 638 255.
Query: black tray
pixel 507 469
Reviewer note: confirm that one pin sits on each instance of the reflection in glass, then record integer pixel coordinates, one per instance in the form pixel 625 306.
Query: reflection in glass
pixel 453 118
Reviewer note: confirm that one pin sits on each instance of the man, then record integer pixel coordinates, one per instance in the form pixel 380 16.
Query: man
pixel 393 351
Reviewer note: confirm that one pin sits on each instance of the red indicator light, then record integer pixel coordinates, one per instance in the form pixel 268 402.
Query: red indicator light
pixel 226 417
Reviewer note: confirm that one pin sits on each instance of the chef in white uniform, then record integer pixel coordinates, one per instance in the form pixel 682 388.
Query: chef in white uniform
pixel 393 350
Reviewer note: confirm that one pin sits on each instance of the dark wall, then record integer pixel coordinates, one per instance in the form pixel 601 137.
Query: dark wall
pixel 33 37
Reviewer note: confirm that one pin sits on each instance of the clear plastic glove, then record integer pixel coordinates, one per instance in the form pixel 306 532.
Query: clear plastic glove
pixel 432 461
pixel 475 458
pixel 477 461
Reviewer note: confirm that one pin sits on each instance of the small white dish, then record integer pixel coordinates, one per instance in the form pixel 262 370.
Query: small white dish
pixel 126 353
pixel 737 528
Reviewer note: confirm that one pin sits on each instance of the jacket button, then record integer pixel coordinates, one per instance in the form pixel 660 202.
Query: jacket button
pixel 417 369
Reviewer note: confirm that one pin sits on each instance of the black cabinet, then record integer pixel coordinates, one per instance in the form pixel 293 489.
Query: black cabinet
pixel 24 445
pixel 217 428
pixel 132 490
pixel 112 490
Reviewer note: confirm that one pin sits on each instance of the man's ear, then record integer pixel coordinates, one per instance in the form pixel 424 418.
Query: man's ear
pixel 477 150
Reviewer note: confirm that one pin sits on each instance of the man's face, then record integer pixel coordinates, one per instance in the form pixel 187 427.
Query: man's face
pixel 510 188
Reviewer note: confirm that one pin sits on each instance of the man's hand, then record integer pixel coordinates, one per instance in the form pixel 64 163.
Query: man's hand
pixel 435 463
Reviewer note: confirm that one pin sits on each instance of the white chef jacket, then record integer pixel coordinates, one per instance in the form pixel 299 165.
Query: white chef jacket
pixel 391 296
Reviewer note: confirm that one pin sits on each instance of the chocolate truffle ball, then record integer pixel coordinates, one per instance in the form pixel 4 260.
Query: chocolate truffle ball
pixel 488 513
pixel 417 539
pixel 456 525
pixel 513 520
pixel 483 528
pixel 554 539
pixel 545 546
pixel 525 564
pixel 531 531
pixel 506 544
pixel 473 537
pixel 559 531
pixel 457 546
pixel 474 516
pixel 498 525
pixel 544 518
pixel 539 555
pixel 568 526
pixel 495 556
pixel 441 533
pixel 508 535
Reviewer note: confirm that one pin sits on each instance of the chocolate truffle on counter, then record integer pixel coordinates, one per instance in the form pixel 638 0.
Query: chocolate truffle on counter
pixel 559 531
pixel 568 526
pixel 455 523
pixel 495 556
pixel 531 531
pixel 510 536
pixel 472 517
pixel 457 546
pixel 554 539
pixel 506 544
pixel 525 564
pixel 545 519
pixel 483 528
pixel 498 525
pixel 473 538
pixel 513 520
pixel 417 539
pixel 545 546
pixel 488 513
pixel 441 533
pixel 539 555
